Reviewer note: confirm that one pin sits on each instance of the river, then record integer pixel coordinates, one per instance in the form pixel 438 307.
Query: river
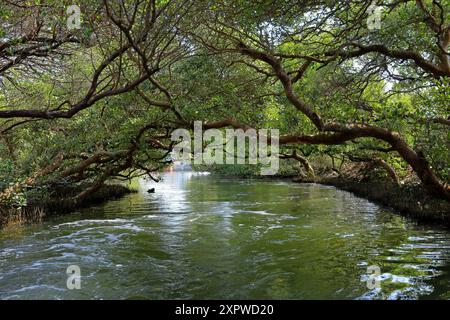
pixel 204 237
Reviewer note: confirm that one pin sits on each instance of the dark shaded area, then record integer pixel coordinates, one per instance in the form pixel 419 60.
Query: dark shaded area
pixel 64 203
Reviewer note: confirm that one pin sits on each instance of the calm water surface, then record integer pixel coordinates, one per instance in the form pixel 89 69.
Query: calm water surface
pixel 202 237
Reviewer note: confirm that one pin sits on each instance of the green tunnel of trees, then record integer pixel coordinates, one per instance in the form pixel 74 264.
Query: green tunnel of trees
pixel 84 105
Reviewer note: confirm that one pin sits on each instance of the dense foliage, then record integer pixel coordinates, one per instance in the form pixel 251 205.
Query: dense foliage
pixel 86 105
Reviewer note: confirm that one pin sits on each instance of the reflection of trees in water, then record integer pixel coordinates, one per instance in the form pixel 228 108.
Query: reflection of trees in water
pixel 284 240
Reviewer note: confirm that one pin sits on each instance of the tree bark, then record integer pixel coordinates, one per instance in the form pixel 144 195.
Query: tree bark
pixel 336 133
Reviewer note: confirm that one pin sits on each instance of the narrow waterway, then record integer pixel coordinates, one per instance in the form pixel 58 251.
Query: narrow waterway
pixel 200 237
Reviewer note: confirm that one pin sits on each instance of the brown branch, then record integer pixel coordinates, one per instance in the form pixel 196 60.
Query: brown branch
pixel 294 155
pixel 426 65
pixel 285 80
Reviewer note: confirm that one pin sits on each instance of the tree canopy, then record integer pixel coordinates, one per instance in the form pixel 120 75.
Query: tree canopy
pixel 86 105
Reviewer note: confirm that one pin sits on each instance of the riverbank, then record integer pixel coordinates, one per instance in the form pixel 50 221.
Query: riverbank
pixel 38 209
pixel 408 199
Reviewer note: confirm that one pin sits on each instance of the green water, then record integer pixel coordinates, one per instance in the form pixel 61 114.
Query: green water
pixel 205 237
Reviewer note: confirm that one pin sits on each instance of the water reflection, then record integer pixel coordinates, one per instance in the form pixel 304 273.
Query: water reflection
pixel 199 236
